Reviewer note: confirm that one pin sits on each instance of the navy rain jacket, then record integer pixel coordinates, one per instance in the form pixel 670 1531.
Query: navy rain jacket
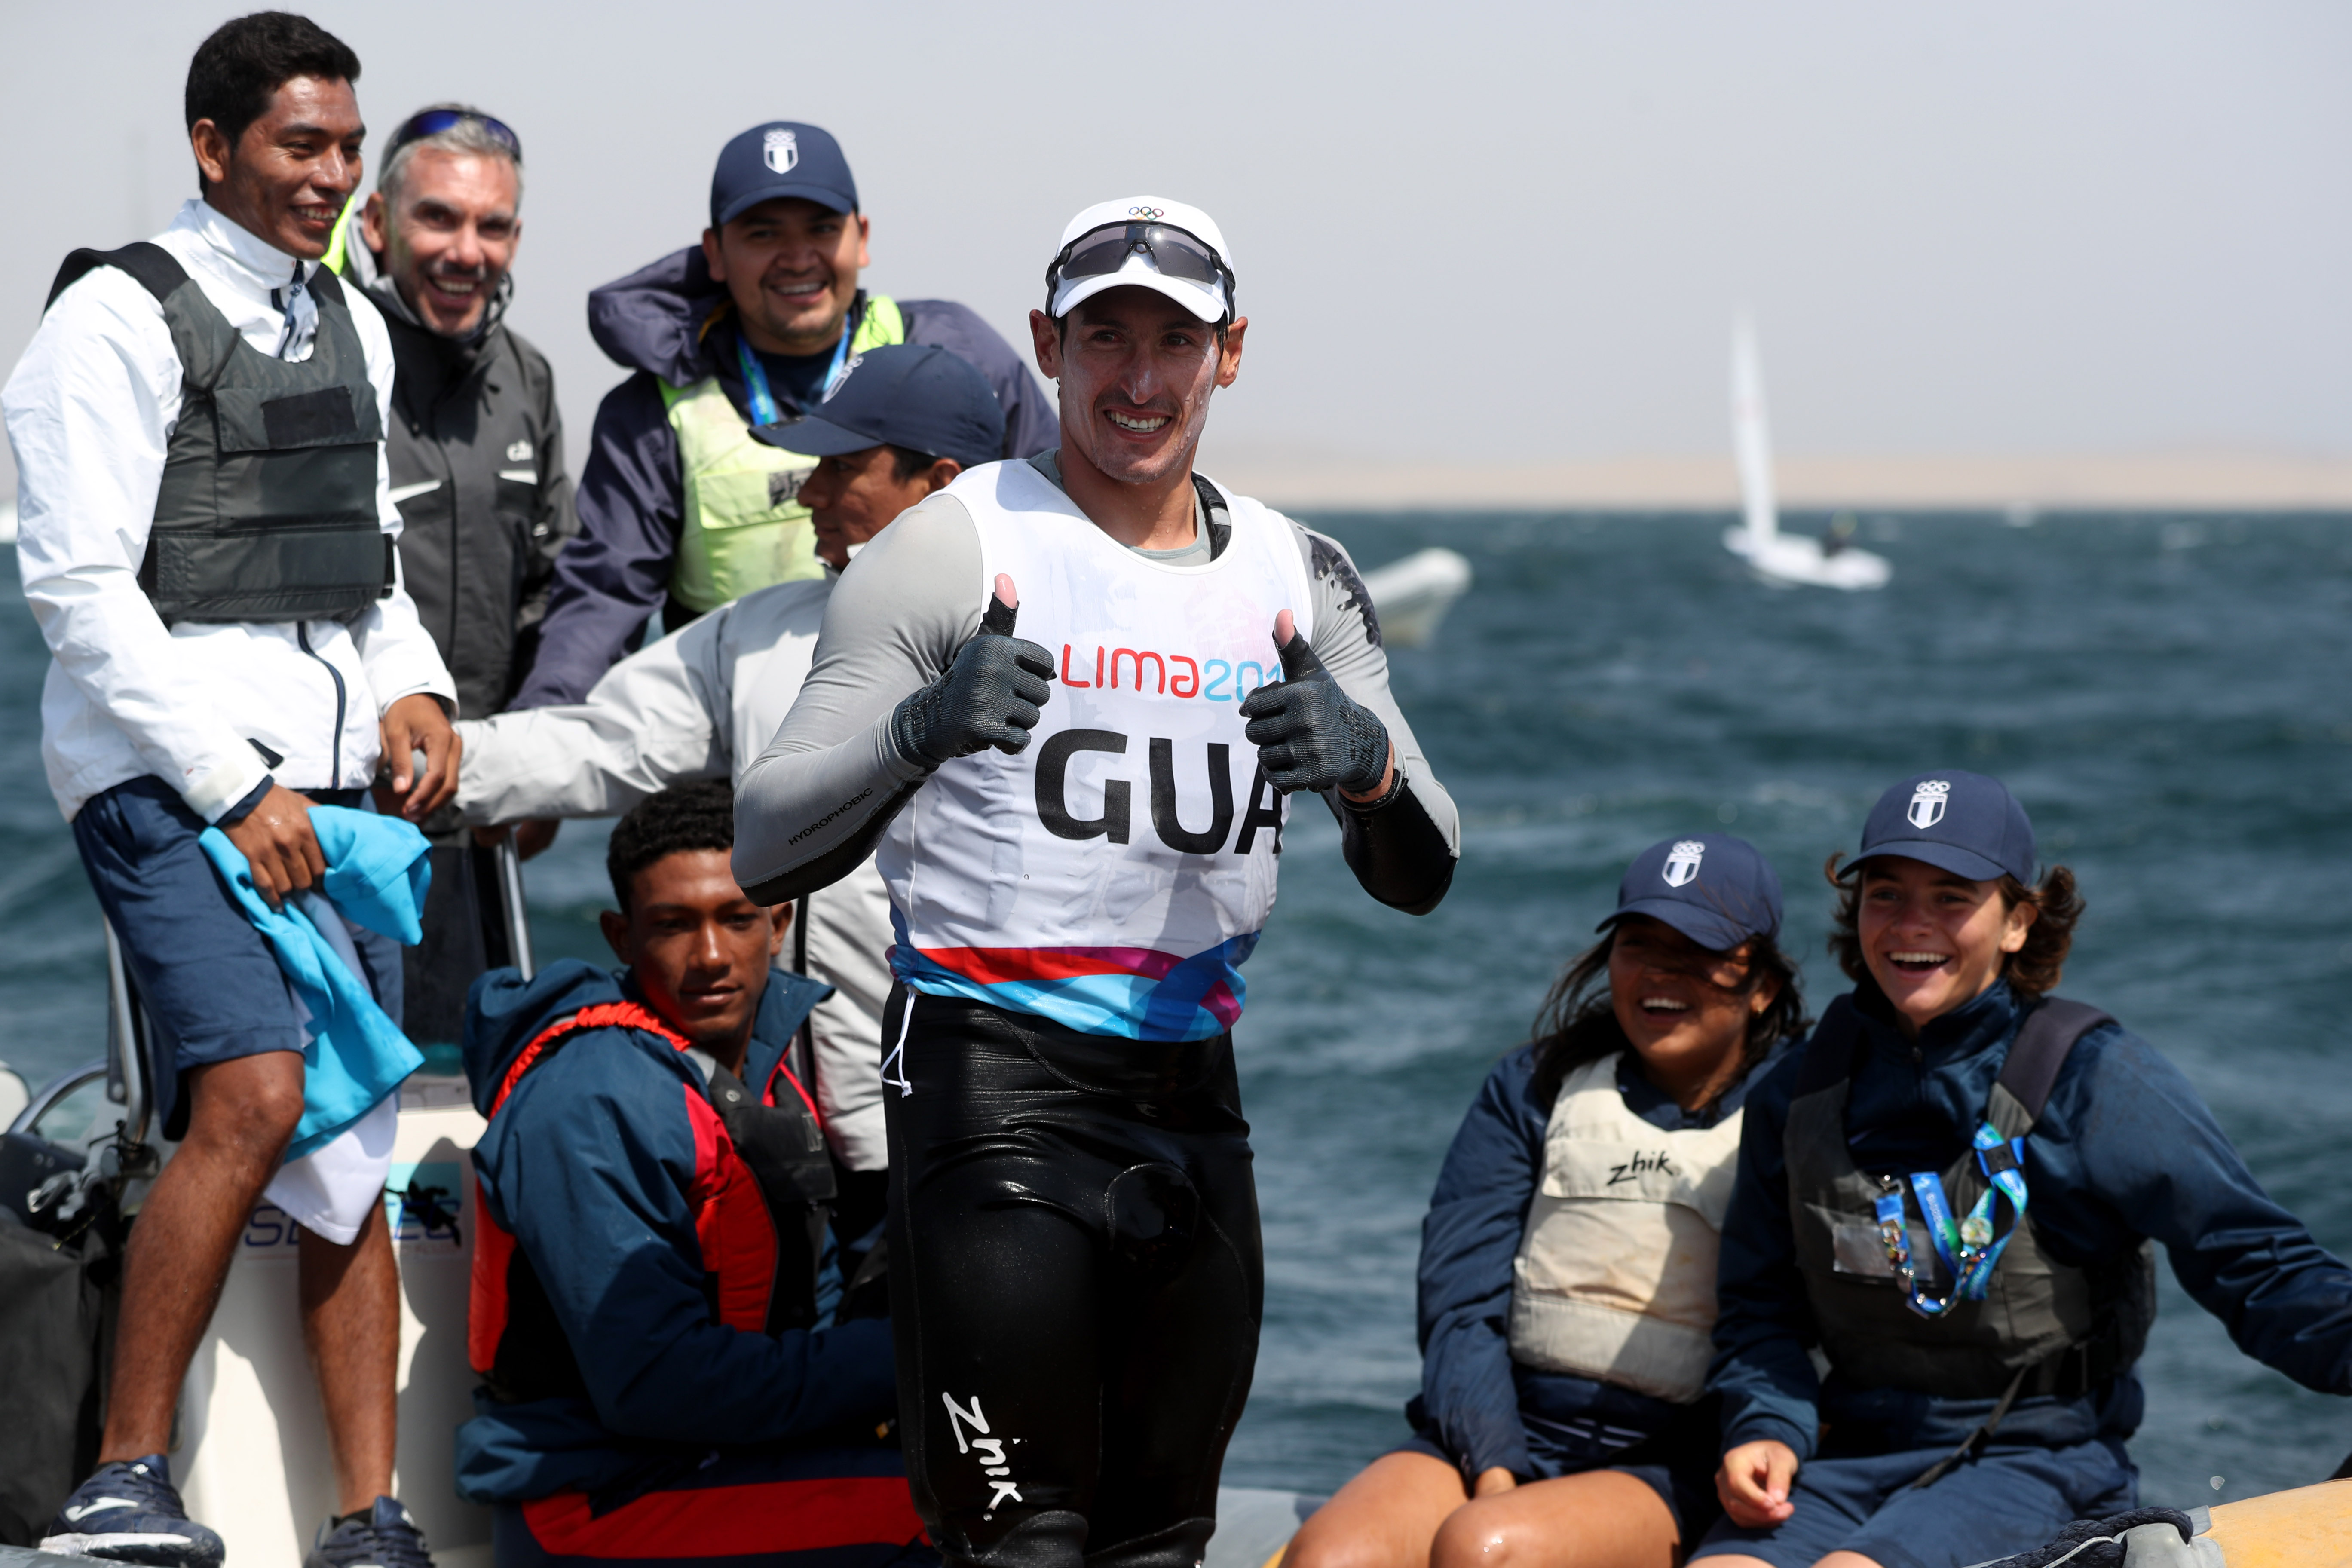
pixel 590 1165
pixel 615 571
pixel 2124 1150
pixel 1477 1403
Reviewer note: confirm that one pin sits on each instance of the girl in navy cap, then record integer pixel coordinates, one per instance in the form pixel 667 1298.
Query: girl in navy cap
pixel 1948 1195
pixel 1568 1262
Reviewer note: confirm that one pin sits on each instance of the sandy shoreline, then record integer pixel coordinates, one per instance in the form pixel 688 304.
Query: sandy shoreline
pixel 2221 481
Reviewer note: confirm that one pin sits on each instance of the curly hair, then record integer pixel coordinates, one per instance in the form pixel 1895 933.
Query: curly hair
pixel 1577 1023
pixel 2031 970
pixel 696 815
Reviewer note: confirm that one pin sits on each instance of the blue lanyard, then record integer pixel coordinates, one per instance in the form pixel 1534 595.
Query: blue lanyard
pixel 1969 1249
pixel 755 375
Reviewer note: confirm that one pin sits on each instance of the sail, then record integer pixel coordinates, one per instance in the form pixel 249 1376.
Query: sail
pixel 1751 441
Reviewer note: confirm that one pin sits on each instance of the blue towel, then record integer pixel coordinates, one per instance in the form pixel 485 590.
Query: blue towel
pixel 376 876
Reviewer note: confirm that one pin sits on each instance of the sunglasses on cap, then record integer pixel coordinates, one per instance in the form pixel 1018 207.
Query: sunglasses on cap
pixel 1102 251
pixel 433 121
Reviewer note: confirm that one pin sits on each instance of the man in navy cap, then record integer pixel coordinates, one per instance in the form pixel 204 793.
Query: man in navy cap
pixel 903 422
pixel 681 508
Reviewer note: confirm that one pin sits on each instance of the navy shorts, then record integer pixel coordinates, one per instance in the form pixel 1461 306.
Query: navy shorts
pixel 2005 1500
pixel 211 990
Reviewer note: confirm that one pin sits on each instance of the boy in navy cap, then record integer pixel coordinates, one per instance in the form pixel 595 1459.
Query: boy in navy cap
pixel 1951 1193
pixel 903 422
pixel 680 510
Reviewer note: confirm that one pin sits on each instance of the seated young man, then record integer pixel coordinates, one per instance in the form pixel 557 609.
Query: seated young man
pixel 672 1363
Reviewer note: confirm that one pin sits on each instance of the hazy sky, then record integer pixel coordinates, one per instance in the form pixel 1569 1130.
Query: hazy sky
pixel 1463 231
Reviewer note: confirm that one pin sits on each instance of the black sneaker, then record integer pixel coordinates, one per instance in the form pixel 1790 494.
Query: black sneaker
pixel 128 1512
pixel 383 1537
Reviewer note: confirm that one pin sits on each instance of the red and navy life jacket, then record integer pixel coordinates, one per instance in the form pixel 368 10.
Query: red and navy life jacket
pixel 762 1193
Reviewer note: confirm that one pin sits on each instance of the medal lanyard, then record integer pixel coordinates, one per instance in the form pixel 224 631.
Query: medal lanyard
pixel 1969 1248
pixel 755 377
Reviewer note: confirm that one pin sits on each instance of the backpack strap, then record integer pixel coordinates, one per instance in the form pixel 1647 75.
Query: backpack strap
pixel 2043 1044
pixel 156 269
pixel 604 1015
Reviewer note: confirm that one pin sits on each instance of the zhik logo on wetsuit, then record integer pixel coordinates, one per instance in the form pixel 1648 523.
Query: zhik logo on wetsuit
pixel 1928 802
pixel 1682 863
pixel 1641 1165
pixel 990 1450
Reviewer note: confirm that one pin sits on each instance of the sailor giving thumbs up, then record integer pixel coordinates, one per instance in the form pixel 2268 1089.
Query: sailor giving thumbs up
pixel 1311 735
pixel 991 695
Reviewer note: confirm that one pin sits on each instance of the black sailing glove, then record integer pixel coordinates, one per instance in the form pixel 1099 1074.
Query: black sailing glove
pixel 1309 734
pixel 991 696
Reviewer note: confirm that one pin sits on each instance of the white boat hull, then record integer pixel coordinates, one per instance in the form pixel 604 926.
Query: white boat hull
pixel 1795 559
pixel 252 1458
pixel 1411 595
pixel 1254 1525
pixel 1783 559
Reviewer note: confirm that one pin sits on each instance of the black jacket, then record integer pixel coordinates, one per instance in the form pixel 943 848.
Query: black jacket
pixel 657 321
pixel 476 449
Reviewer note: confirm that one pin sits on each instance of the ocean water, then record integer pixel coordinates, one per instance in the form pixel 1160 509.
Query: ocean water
pixel 2167 695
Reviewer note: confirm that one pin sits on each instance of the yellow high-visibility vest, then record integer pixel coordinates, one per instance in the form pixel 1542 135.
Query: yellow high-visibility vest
pixel 743 526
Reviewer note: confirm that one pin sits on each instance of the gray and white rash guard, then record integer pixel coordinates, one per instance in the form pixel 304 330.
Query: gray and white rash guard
pixel 813 805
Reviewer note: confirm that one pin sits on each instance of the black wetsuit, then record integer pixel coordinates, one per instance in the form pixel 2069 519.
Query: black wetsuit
pixel 1077 1277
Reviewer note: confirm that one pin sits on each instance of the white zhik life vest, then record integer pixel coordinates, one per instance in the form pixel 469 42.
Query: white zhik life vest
pixel 1615 1276
pixel 1113 877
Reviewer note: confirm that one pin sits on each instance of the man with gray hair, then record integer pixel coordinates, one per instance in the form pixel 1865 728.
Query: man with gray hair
pixel 475 450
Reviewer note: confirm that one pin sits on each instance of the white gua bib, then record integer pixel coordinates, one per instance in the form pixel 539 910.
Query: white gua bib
pixel 1113 876
pixel 1615 1276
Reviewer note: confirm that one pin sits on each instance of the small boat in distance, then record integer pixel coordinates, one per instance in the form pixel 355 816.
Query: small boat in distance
pixel 1411 595
pixel 1782 560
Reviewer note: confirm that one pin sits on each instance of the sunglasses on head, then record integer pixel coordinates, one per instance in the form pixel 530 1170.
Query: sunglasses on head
pixel 1100 252
pixel 433 121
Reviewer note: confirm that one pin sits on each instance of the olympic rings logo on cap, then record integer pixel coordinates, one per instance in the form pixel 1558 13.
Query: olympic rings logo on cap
pixel 1146 212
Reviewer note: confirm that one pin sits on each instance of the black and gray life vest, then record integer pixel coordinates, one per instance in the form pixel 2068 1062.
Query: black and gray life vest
pixel 267 509
pixel 2043 1328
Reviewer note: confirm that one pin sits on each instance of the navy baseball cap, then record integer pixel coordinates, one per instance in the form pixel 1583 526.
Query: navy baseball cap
pixel 781 158
pixel 1713 889
pixel 1962 823
pixel 915 396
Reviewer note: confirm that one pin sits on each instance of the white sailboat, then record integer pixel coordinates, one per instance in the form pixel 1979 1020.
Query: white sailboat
pixel 1411 595
pixel 1785 560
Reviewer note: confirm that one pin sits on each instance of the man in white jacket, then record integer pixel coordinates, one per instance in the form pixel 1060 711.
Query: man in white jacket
pixel 904 422
pixel 207 543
